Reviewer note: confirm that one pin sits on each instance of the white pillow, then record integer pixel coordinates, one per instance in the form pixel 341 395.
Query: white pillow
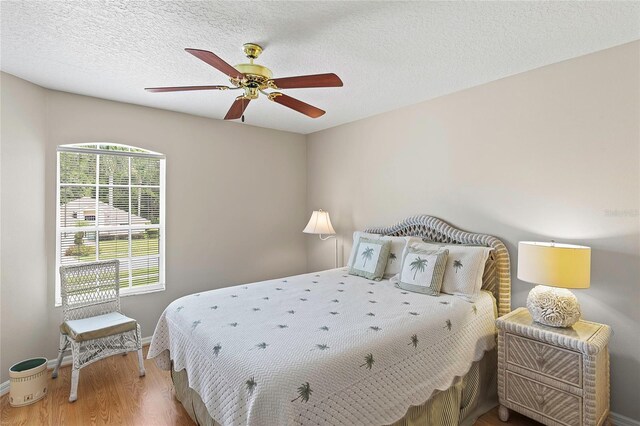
pixel 394 262
pixel 464 270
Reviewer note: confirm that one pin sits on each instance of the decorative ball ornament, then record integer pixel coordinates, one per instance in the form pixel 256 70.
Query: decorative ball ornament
pixel 555 307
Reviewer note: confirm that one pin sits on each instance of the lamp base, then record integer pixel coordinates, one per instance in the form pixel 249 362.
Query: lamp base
pixel 555 307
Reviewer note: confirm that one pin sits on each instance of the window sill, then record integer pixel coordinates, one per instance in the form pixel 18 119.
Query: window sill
pixel 126 292
pixel 154 288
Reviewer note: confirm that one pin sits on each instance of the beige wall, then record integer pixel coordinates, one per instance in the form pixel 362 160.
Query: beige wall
pixel 24 299
pixel 231 189
pixel 548 154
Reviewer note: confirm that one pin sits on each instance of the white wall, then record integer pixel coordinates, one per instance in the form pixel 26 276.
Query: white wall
pixel 548 154
pixel 236 199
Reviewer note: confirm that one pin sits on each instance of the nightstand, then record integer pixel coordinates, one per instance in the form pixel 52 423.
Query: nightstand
pixel 557 376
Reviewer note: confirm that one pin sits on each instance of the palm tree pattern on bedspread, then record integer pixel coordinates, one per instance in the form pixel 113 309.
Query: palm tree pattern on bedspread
pixel 304 391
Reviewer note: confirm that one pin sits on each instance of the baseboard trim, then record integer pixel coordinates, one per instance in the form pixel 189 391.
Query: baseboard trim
pixel 4 386
pixel 620 420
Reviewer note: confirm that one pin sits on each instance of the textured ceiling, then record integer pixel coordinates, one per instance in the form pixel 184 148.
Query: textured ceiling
pixel 389 54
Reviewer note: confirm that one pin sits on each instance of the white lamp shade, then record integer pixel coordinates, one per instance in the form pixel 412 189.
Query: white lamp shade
pixel 320 223
pixel 553 264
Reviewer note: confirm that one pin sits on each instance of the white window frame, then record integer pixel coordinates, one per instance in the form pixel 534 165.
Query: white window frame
pixel 85 149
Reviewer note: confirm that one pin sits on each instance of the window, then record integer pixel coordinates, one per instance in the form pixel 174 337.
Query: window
pixel 110 205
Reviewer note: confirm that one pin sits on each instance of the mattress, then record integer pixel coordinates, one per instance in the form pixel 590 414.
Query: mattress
pixel 321 348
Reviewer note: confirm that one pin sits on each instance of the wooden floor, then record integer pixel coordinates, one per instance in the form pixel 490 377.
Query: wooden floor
pixel 111 393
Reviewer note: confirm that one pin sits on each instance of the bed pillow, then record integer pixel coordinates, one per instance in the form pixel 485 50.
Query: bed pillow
pixel 394 261
pixel 464 270
pixel 371 258
pixel 422 270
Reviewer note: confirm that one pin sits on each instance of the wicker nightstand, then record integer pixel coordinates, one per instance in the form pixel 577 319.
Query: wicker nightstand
pixel 557 376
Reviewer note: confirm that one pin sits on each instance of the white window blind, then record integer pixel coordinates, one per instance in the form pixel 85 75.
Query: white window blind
pixel 110 205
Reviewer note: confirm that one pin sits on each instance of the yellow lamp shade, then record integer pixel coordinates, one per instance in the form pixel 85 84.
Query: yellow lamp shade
pixel 553 264
pixel 320 223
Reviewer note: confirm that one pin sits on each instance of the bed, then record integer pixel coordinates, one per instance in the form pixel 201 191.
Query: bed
pixel 333 348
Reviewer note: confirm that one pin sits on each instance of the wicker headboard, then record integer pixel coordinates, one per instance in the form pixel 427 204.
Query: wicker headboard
pixel 497 274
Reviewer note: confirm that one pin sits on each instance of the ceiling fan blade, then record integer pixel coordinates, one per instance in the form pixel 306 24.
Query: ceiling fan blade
pixel 213 60
pixel 303 81
pixel 184 88
pixel 237 108
pixel 295 104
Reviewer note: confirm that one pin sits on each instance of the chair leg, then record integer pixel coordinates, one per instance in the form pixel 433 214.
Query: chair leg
pixel 140 358
pixel 61 348
pixel 141 363
pixel 75 376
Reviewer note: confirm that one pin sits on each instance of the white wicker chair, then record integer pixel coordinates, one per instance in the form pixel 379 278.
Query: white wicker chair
pixel 93 325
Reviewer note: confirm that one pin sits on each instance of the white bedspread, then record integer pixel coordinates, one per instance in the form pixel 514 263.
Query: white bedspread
pixel 321 348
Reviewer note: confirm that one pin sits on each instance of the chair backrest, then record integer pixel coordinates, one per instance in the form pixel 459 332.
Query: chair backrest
pixel 90 289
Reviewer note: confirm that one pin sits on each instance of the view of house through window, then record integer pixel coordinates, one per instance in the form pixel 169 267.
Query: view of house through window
pixel 111 206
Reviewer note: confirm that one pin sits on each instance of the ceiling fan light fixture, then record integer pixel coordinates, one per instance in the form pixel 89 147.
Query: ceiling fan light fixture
pixel 255 75
pixel 253 79
pixel 251 93
pixel 254 70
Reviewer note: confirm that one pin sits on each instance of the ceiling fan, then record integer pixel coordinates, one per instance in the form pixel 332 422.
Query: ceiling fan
pixel 254 79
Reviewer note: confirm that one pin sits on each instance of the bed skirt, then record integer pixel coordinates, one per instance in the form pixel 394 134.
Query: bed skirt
pixel 468 398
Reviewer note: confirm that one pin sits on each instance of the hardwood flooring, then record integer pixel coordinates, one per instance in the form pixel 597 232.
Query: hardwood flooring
pixel 111 393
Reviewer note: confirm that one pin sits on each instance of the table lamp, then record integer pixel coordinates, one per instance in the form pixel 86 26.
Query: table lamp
pixel 320 224
pixel 557 267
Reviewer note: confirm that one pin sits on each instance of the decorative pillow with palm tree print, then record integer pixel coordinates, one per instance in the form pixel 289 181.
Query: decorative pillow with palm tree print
pixel 394 261
pixel 423 270
pixel 371 258
pixel 464 270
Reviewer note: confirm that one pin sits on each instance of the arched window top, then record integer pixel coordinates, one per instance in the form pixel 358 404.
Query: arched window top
pixel 112 148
